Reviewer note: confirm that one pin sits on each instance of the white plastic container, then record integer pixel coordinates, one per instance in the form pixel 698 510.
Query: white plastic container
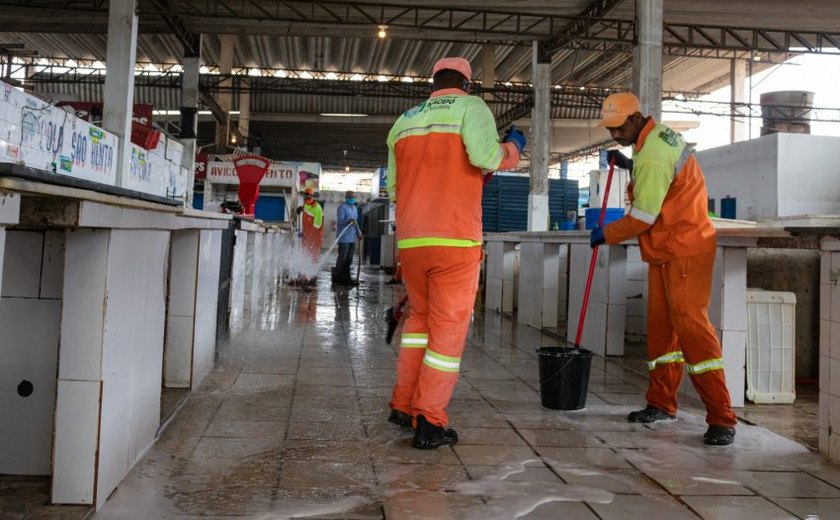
pixel 771 357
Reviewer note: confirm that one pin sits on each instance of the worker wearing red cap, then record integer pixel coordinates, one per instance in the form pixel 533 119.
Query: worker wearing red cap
pixel 438 151
pixel 313 224
pixel 669 217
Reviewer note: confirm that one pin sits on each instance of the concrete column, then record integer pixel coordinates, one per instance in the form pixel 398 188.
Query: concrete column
pixel 223 98
pixel 119 81
pixel 488 67
pixel 540 144
pixel 739 130
pixel 244 113
pixel 189 116
pixel 647 57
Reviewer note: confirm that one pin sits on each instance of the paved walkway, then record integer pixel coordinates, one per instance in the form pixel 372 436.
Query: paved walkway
pixel 292 424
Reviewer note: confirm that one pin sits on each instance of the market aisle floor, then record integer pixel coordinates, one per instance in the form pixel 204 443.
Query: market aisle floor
pixel 292 424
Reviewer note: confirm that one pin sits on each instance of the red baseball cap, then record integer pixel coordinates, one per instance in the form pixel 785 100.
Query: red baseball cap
pixel 617 108
pixel 457 64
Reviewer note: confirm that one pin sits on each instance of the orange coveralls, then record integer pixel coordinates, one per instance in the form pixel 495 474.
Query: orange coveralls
pixel 437 153
pixel 669 215
pixel 313 228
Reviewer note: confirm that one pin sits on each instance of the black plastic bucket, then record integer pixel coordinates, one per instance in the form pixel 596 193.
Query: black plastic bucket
pixel 564 377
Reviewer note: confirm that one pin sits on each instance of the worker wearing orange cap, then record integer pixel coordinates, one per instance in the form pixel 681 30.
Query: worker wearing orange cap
pixel 438 151
pixel 669 217
pixel 313 224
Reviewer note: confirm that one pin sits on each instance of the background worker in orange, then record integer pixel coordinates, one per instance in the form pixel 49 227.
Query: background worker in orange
pixel 438 152
pixel 677 239
pixel 313 225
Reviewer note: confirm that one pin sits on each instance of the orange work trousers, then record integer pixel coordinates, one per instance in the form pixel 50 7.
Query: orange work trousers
pixel 681 336
pixel 441 283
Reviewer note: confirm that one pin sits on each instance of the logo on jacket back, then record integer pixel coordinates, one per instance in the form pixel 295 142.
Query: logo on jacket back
pixel 413 111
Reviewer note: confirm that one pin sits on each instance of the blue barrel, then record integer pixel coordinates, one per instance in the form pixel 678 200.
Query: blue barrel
pixel 593 214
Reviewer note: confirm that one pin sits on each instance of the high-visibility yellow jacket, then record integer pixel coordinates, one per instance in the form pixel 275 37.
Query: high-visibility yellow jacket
pixel 313 226
pixel 437 152
pixel 669 212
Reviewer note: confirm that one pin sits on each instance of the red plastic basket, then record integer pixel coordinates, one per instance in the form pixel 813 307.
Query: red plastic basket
pixel 144 136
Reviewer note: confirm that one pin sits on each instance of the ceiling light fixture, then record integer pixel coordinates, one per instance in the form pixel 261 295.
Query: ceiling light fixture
pixel 383 32
pixel 347 168
pixel 756 58
pixel 333 114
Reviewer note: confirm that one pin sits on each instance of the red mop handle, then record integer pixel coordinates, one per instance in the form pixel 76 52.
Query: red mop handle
pixel 592 261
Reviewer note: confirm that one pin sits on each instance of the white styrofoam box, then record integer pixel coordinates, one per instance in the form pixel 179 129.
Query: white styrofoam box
pixel 29 353
pixel 83 312
pixel 75 448
pixel 52 266
pixel 771 354
pixel 618 188
pixel 174 151
pixel 160 148
pixel 22 265
pixel 147 173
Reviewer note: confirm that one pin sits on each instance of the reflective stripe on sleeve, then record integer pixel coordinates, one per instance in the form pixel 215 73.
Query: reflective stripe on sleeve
pixel 440 362
pixel 647 218
pixel 670 357
pixel 705 366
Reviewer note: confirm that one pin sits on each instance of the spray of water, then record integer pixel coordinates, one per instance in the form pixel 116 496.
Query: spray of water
pixel 296 262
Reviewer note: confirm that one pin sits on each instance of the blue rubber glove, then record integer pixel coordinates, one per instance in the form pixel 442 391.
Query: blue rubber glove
pixel 597 237
pixel 515 136
pixel 621 160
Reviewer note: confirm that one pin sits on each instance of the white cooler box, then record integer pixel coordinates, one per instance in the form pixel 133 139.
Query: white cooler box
pixel 771 356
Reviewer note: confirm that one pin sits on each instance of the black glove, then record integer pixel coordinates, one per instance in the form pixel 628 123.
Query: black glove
pixel 621 160
pixel 299 210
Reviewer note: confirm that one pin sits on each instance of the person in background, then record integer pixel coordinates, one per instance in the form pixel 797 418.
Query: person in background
pixel 669 216
pixel 347 225
pixel 313 227
pixel 437 153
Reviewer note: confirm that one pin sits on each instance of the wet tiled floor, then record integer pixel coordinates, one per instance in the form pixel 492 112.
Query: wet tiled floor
pixel 292 424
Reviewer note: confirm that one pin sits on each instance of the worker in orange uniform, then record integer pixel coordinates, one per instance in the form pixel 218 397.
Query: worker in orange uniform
pixel 669 217
pixel 438 151
pixel 313 227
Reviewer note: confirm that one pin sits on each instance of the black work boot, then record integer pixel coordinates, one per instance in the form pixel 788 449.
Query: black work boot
pixel 400 418
pixel 719 435
pixel 428 436
pixel 649 415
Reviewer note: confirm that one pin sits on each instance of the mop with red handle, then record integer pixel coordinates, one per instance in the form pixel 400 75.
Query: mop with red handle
pixel 594 258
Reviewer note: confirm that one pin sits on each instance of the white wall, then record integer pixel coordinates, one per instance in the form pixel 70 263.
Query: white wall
pixel 776 175
pixel 747 171
pixel 30 313
pixel 809 175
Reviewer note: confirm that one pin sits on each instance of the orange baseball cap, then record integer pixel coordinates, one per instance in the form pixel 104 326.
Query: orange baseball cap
pixel 617 108
pixel 309 191
pixel 457 64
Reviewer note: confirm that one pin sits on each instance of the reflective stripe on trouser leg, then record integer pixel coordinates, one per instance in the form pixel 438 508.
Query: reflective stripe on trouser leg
pixel 689 284
pixel 412 350
pixel 661 346
pixel 452 284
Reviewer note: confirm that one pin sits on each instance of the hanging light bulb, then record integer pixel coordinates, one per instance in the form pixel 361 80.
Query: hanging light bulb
pixel 383 31
pixel 233 139
pixel 347 168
